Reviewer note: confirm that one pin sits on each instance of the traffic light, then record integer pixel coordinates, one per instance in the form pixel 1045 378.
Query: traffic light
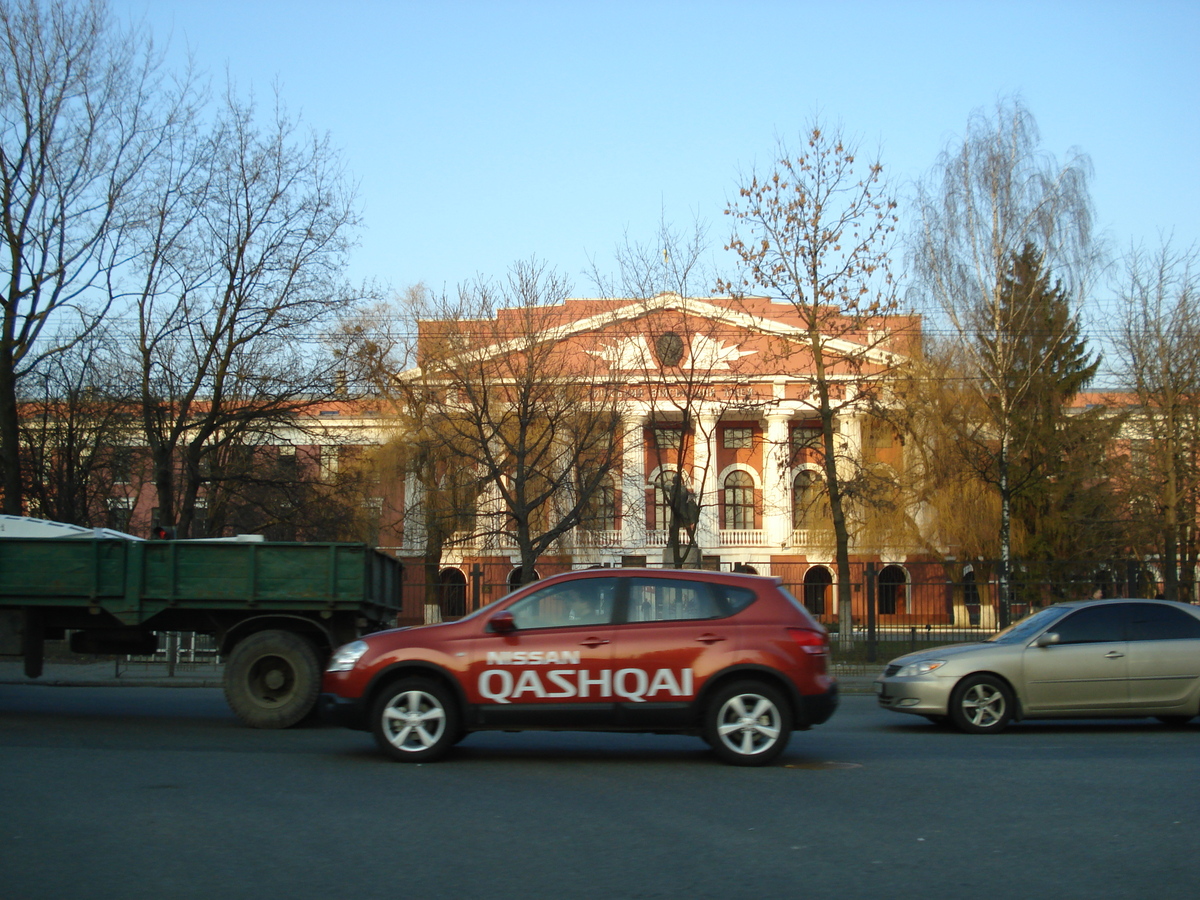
pixel 162 533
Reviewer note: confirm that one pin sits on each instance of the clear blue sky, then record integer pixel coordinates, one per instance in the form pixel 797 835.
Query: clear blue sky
pixel 485 132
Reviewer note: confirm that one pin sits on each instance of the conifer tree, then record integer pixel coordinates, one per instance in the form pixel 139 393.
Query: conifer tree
pixel 1060 506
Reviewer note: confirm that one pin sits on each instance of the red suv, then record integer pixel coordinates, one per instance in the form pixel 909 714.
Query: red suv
pixel 735 659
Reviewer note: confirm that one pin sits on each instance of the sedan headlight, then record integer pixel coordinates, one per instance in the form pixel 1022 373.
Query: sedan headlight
pixel 346 656
pixel 924 667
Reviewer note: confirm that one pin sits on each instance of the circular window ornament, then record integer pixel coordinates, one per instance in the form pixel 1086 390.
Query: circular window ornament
pixel 668 348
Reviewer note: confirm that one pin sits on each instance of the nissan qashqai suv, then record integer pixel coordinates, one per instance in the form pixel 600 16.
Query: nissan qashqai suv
pixel 734 659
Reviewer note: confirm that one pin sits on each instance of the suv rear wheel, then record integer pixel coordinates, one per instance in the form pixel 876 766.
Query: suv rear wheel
pixel 748 723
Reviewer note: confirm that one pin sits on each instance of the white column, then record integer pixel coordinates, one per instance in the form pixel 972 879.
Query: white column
pixel 704 482
pixel 850 428
pixel 776 492
pixel 633 482
pixel 414 520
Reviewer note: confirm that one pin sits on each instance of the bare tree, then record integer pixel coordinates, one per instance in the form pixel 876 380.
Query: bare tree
pixel 815 231
pixel 536 416
pixel 83 112
pixel 1159 347
pixel 244 240
pixel 418 461
pixel 674 356
pixel 990 200
pixel 77 444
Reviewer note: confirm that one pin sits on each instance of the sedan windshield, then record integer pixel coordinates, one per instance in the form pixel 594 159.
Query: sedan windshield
pixel 1029 626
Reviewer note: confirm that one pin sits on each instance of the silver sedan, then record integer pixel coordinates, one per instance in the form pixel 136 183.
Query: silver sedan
pixel 1091 659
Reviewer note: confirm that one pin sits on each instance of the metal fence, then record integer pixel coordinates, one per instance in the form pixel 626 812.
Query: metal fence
pixel 933 601
pixel 179 650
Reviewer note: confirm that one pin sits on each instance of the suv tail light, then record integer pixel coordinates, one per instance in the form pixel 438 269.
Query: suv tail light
pixel 814 642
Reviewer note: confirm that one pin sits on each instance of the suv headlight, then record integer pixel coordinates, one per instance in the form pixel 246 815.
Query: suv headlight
pixel 924 667
pixel 346 656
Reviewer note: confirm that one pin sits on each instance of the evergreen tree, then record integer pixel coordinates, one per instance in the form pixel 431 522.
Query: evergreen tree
pixel 1061 507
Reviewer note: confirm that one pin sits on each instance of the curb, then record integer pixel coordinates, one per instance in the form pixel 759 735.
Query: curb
pixel 114 683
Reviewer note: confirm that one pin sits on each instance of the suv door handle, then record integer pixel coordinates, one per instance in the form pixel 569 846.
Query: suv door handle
pixel 593 642
pixel 710 638
pixel 1113 654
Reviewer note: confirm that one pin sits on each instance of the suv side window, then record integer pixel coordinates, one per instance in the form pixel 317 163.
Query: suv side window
pixel 585 602
pixel 1156 622
pixel 668 599
pixel 1093 625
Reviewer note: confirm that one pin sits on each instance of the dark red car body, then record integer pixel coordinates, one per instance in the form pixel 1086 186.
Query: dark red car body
pixel 599 649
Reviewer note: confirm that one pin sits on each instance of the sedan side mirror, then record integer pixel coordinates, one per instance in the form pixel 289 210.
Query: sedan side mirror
pixel 503 622
pixel 1046 639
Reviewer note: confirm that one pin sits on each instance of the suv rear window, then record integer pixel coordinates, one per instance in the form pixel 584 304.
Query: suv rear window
pixel 738 598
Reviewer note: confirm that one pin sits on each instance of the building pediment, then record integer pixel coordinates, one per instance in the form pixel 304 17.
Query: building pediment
pixel 713 334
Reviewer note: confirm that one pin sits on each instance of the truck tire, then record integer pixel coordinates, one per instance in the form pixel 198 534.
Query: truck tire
pixel 272 679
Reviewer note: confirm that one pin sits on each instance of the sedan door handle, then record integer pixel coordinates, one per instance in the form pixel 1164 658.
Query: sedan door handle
pixel 593 642
pixel 710 638
pixel 1113 654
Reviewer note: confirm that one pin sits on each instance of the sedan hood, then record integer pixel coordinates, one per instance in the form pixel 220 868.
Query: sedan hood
pixel 946 651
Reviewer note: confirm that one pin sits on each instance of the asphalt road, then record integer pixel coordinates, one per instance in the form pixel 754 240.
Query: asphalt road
pixel 143 792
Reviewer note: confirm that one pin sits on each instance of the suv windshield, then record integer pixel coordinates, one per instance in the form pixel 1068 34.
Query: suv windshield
pixel 1029 626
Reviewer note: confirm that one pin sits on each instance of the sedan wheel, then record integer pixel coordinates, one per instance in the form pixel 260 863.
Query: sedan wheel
pixel 415 720
pixel 981 704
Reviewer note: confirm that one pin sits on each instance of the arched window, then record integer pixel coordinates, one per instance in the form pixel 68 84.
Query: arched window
pixel 514 578
pixel 810 503
pixel 817 582
pixel 971 597
pixel 892 583
pixel 739 501
pixel 453 585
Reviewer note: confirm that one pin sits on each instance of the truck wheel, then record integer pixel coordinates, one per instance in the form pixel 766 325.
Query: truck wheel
pixel 748 723
pixel 415 720
pixel 272 679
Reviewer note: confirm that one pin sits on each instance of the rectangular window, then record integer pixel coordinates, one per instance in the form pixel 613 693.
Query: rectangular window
pixel 329 460
pixel 806 438
pixel 288 469
pixel 739 438
pixel 120 513
pixel 668 438
pixel 200 518
pixel 122 465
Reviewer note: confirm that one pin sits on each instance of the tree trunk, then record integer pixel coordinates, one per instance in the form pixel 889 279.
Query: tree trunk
pixel 10 437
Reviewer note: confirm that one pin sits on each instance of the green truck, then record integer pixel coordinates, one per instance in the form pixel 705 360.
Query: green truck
pixel 276 610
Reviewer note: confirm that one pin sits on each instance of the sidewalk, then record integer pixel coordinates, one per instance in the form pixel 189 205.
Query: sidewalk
pixel 139 674
pixel 110 673
pixel 855 682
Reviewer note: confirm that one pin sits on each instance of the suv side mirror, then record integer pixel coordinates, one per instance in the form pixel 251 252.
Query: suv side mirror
pixel 1047 638
pixel 503 622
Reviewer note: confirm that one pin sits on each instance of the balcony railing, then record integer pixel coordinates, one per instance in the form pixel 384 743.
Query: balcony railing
pixel 585 537
pixel 812 537
pixel 742 537
pixel 505 542
pixel 656 537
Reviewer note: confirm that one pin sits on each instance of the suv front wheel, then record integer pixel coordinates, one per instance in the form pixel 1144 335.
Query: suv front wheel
pixel 748 723
pixel 415 720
